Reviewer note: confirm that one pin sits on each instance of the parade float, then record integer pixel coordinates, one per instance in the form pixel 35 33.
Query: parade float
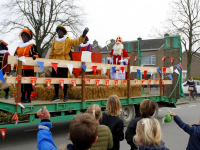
pixel 90 83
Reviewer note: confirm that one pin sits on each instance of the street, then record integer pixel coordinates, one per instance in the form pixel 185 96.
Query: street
pixel 25 138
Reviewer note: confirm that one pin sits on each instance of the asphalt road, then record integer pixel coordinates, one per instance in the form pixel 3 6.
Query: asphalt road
pixel 25 138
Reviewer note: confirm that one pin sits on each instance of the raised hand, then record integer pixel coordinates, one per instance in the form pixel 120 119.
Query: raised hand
pixel 85 32
pixel 44 115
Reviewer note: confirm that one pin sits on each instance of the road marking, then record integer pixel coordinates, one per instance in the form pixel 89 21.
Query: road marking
pixel 176 108
pixel 192 105
pixel 30 130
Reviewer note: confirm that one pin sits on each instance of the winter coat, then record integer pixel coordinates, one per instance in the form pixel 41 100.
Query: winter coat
pixel 131 131
pixel 116 126
pixel 190 83
pixel 193 131
pixel 61 50
pixel 105 140
pixel 153 147
pixel 44 136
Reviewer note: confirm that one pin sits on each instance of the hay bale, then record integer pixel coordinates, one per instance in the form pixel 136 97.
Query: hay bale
pixel 92 92
pixel 95 76
pixel 102 92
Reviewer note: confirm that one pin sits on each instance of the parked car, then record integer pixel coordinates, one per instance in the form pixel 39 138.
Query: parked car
pixel 185 88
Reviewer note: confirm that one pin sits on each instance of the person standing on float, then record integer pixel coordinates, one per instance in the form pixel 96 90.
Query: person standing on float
pixel 85 46
pixel 4 62
pixel 60 50
pixel 28 49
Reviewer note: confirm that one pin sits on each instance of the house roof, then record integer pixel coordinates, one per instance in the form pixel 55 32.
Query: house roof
pixel 145 45
pixel 151 44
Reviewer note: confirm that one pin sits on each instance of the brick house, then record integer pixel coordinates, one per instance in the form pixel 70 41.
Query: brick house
pixel 194 66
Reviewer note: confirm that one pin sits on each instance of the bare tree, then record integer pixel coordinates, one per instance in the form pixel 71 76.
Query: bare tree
pixel 42 17
pixel 184 20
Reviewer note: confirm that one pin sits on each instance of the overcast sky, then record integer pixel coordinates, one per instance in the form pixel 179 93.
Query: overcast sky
pixel 128 18
pixel 106 19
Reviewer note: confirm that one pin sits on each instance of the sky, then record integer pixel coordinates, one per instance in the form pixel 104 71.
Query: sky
pixel 130 19
pixel 107 19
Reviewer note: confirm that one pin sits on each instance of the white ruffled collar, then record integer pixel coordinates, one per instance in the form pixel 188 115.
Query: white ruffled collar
pixel 3 51
pixel 21 45
pixel 84 45
pixel 61 39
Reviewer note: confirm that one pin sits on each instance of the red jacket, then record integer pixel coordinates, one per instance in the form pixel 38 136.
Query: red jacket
pixel 4 62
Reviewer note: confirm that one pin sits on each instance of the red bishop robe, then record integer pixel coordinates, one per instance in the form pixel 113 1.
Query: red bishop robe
pixel 125 54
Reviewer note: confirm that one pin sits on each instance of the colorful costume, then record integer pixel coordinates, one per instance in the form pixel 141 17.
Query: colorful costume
pixel 118 53
pixel 118 56
pixel 85 47
pixel 27 49
pixel 4 61
pixel 61 48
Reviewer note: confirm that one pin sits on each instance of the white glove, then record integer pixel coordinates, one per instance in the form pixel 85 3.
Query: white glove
pixel 126 61
pixel 121 61
pixel 109 58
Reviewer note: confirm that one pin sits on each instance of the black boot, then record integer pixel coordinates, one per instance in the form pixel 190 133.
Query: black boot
pixel 26 100
pixel 65 98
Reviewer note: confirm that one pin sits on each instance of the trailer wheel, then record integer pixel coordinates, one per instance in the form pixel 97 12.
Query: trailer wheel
pixel 127 114
pixel 155 115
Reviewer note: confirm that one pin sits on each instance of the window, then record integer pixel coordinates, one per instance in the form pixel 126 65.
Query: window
pixel 148 60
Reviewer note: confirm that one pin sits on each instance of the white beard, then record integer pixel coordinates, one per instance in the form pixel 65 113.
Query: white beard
pixel 118 49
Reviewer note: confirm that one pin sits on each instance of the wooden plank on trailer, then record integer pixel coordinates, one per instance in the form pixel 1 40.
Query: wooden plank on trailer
pixel 41 80
pixel 101 65
pixel 153 82
pixel 37 69
pixel 47 62
pixel 77 64
pixel 149 69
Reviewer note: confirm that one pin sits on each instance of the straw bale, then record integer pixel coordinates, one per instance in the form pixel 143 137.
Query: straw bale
pixel 95 76
pixel 102 92
pixel 92 92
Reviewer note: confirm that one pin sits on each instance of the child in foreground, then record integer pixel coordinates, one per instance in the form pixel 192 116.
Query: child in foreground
pixel 147 109
pixel 82 132
pixel 105 140
pixel 112 120
pixel 148 135
pixel 193 131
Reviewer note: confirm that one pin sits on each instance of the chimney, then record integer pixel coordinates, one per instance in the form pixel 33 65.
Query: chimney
pixel 166 34
pixel 112 40
pixel 95 42
pixel 139 38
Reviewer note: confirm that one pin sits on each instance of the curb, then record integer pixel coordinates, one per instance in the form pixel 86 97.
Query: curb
pixel 187 102
pixel 180 103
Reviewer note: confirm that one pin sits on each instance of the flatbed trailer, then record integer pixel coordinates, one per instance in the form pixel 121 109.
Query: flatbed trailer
pixel 67 110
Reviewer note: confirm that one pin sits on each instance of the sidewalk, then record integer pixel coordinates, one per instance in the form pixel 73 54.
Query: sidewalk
pixel 156 91
pixel 186 100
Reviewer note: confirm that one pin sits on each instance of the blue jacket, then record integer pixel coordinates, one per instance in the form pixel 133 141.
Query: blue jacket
pixel 153 147
pixel 193 131
pixel 44 137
